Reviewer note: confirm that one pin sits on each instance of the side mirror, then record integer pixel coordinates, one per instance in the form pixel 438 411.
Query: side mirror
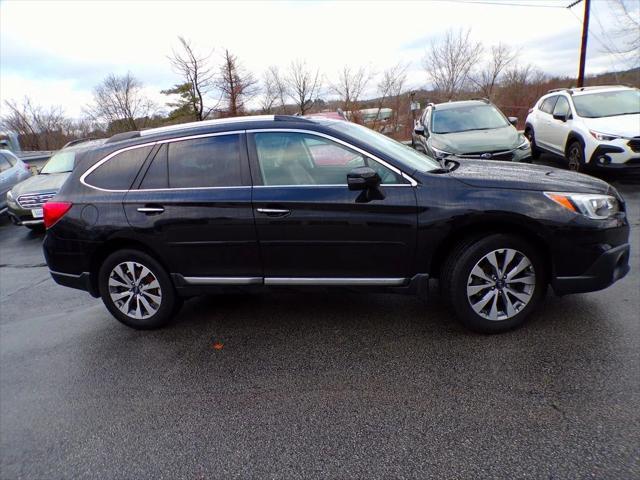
pixel 418 129
pixel 560 116
pixel 513 121
pixel 363 178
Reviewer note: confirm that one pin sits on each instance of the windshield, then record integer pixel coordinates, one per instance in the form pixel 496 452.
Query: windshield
pixel 60 162
pixel 607 104
pixel 464 119
pixel 409 157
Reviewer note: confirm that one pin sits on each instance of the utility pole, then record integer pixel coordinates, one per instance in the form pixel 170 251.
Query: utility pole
pixel 583 48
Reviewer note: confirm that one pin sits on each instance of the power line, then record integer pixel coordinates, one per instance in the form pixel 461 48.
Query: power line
pixel 507 4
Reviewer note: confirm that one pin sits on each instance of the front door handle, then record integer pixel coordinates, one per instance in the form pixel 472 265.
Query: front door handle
pixel 150 210
pixel 274 212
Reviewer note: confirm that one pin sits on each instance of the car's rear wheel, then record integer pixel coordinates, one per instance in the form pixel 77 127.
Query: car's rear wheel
pixel 493 283
pixel 530 135
pixel 575 157
pixel 137 290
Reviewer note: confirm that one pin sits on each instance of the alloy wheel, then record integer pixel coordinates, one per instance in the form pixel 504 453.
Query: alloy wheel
pixel 501 284
pixel 134 290
pixel 575 158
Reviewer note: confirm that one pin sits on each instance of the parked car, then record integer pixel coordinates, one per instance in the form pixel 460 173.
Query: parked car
pixel 25 200
pixel 33 158
pixel 591 127
pixel 155 216
pixel 471 129
pixel 12 171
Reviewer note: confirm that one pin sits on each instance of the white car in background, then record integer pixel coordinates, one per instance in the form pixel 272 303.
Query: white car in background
pixel 591 127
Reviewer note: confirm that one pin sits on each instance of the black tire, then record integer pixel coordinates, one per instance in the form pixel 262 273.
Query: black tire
pixel 575 157
pixel 166 308
pixel 456 272
pixel 535 151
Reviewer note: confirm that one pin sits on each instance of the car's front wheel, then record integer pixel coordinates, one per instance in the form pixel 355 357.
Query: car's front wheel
pixel 575 157
pixel 493 283
pixel 535 151
pixel 137 290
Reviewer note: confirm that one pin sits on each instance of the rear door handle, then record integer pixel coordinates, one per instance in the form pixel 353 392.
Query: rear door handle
pixel 150 210
pixel 274 212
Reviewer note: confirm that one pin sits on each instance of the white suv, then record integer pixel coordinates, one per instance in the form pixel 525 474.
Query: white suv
pixel 592 127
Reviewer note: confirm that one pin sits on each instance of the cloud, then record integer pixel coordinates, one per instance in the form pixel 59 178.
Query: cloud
pixel 60 53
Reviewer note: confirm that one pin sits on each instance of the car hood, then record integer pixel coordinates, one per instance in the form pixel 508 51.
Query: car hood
pixel 477 141
pixel 623 125
pixel 41 183
pixel 521 176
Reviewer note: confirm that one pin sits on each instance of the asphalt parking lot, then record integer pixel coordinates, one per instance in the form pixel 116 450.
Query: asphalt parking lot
pixel 335 385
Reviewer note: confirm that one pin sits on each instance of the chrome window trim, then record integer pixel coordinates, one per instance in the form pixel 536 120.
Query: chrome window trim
pixel 412 182
pixel 153 144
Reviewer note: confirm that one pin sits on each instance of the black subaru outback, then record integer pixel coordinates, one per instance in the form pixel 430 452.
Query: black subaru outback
pixel 155 216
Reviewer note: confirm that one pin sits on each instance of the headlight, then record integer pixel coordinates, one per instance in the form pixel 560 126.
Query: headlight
pixel 10 198
pixel 603 137
pixel 439 153
pixel 590 205
pixel 524 143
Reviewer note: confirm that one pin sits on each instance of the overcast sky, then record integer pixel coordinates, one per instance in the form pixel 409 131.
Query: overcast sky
pixel 55 51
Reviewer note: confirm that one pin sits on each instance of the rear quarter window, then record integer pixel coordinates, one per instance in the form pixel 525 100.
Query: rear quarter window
pixel 119 172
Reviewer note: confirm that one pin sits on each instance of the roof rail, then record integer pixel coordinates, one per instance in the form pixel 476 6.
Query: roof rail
pixel 554 90
pixel 291 118
pixel 482 99
pixel 118 137
pixel 79 140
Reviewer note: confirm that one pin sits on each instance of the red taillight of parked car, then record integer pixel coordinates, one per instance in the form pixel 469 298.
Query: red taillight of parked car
pixel 54 211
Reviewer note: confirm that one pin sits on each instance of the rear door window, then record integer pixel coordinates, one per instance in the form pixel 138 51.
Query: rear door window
pixel 119 171
pixel 205 162
pixel 548 104
pixel 562 107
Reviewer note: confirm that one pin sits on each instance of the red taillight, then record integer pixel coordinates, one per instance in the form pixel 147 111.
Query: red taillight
pixel 54 211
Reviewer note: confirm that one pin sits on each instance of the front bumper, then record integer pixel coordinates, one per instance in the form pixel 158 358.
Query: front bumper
pixel 21 216
pixel 608 268
pixel 614 155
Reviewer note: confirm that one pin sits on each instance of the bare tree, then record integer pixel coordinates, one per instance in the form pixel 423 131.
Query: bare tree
pixel 390 89
pixel 350 86
pixel 38 128
pixel 269 95
pixel 279 84
pixel 449 62
pixel 626 31
pixel 489 74
pixel 236 84
pixel 120 104
pixel 197 75
pixel 303 85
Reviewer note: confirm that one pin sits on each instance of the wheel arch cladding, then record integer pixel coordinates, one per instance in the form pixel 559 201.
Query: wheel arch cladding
pixel 113 245
pixel 482 228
